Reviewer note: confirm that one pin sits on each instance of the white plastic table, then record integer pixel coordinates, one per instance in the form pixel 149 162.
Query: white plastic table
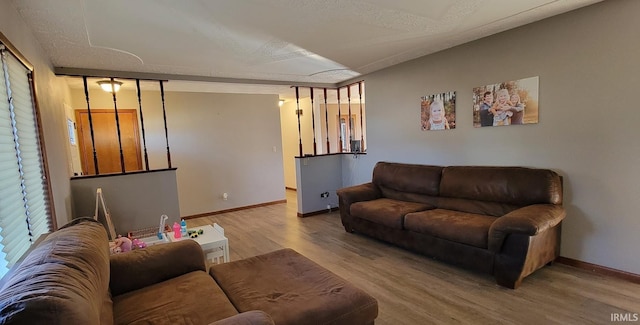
pixel 213 242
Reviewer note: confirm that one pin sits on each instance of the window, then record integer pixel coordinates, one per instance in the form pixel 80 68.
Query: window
pixel 24 197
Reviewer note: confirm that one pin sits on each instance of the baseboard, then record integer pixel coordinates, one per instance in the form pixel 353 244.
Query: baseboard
pixel 315 213
pixel 200 215
pixel 599 269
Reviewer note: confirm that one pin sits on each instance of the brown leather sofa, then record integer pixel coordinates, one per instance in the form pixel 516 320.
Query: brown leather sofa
pixel 70 278
pixel 504 221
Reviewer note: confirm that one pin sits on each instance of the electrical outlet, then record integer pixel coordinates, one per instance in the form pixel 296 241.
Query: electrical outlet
pixel 225 196
pixel 329 207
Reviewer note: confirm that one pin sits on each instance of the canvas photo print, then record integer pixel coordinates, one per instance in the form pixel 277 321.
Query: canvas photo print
pixel 506 103
pixel 438 112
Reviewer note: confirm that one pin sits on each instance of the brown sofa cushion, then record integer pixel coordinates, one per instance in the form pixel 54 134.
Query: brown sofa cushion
pixel 154 264
pixel 254 317
pixel 64 280
pixel 511 185
pixel 467 228
pixel 293 290
pixel 386 212
pixel 495 209
pixel 394 179
pixel 192 298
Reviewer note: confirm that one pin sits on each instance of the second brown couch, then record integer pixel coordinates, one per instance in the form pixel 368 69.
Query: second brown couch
pixel 504 221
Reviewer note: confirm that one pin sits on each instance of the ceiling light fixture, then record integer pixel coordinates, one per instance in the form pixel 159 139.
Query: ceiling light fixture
pixel 107 84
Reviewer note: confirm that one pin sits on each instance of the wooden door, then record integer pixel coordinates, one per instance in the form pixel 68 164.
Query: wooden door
pixel 106 140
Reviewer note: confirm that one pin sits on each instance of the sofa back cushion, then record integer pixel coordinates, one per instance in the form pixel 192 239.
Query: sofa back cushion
pixel 64 280
pixel 407 182
pixel 508 188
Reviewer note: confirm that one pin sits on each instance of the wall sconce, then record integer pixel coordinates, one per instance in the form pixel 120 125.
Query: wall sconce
pixel 107 84
pixel 280 102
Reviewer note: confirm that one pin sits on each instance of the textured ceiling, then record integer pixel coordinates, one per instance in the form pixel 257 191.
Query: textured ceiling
pixel 292 41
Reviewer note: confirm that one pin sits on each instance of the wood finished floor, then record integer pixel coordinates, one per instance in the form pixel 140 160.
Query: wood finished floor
pixel 413 289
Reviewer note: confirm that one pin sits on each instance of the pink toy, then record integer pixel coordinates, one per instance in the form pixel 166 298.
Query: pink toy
pixel 123 243
pixel 137 243
pixel 176 231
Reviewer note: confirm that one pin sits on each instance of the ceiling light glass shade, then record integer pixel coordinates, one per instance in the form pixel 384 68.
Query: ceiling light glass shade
pixel 106 85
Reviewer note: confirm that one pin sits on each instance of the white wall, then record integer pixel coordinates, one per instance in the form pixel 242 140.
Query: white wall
pixel 587 61
pixel 316 175
pixel 220 143
pixel 51 93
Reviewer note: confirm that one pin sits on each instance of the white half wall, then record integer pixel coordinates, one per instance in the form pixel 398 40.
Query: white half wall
pixel 317 175
pixel 135 201
pixel 587 61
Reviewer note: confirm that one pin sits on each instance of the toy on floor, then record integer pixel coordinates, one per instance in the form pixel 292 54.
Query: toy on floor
pixel 120 245
pixel 137 243
pixel 163 219
pixel 194 233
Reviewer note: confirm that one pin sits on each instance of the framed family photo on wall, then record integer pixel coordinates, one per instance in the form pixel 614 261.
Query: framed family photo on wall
pixel 438 112
pixel 506 103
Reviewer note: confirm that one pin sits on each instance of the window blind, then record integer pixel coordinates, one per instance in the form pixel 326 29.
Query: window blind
pixel 24 209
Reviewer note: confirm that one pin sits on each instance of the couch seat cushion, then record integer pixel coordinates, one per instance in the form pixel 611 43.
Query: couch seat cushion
pixel 462 227
pixel 293 290
pixel 387 212
pixel 192 298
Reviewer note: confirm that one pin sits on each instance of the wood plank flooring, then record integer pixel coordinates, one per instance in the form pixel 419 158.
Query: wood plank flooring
pixel 413 289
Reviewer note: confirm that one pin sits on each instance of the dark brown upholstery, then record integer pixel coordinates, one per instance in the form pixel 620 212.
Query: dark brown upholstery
pixel 388 212
pixel 191 298
pixel 461 227
pixel 293 290
pixel 253 317
pixel 154 264
pixel 513 185
pixel 69 278
pixel 65 280
pixel 388 177
pixel 500 220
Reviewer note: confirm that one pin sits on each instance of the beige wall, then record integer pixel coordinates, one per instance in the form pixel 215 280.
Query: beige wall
pixel 52 93
pixel 587 61
pixel 236 149
pixel 220 143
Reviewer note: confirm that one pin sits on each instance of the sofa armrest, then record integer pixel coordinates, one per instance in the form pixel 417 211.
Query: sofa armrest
pixel 530 220
pixel 253 317
pixel 353 194
pixel 154 264
pixel 363 192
